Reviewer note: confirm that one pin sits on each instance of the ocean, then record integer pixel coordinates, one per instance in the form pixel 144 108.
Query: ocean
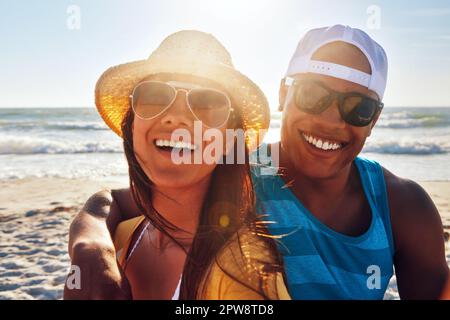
pixel 413 143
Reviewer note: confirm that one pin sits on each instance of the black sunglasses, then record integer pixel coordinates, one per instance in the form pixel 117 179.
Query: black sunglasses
pixel 355 108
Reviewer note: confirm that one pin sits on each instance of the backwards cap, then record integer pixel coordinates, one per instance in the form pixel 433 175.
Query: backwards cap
pixel 301 61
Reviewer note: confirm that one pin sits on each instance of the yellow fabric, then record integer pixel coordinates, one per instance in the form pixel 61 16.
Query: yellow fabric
pixel 122 237
pixel 218 285
pixel 240 271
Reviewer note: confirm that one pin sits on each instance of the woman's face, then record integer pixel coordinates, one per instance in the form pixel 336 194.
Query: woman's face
pixel 149 136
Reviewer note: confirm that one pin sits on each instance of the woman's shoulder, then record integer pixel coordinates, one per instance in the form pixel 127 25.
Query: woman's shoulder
pixel 124 236
pixel 125 202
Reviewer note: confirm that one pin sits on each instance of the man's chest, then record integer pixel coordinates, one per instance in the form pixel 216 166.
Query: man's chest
pixel 350 215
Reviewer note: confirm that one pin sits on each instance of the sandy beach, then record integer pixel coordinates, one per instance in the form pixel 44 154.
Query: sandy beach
pixel 35 214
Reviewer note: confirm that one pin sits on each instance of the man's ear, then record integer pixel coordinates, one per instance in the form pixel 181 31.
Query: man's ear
pixel 282 95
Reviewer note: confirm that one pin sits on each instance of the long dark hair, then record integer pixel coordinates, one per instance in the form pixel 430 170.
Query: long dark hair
pixel 229 205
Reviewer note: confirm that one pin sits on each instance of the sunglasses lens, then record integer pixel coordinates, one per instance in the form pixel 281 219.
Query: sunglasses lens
pixel 151 98
pixel 359 111
pixel 311 98
pixel 210 106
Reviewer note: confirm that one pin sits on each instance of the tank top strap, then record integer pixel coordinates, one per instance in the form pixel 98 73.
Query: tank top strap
pixel 372 178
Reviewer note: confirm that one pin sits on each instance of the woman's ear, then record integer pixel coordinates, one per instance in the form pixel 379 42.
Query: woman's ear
pixel 282 94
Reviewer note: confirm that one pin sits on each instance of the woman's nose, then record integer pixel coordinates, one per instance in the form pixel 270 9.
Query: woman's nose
pixel 178 114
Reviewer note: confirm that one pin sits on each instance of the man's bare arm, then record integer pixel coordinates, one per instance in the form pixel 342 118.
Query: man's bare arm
pixel 89 225
pixel 100 216
pixel 420 264
pixel 91 248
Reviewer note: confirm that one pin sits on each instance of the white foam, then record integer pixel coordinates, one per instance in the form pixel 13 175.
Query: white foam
pixel 28 144
pixel 412 119
pixel 418 146
pixel 19 125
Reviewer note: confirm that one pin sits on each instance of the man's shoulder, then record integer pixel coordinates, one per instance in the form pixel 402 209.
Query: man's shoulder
pixel 104 201
pixel 405 194
pixel 412 209
pixel 99 203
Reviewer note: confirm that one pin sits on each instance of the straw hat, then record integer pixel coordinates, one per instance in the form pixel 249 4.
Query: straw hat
pixel 191 53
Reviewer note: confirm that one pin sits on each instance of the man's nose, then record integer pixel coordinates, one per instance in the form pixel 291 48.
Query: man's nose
pixel 178 114
pixel 331 116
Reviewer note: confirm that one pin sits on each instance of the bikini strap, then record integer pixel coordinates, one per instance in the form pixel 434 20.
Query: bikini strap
pixel 136 243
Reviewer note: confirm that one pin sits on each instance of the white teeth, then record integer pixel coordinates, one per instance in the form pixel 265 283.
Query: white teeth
pixel 319 144
pixel 174 144
pixel 322 144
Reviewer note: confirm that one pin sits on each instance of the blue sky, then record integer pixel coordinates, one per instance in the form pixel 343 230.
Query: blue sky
pixel 44 63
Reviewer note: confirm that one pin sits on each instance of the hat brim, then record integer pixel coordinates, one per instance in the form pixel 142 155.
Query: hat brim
pixel 117 83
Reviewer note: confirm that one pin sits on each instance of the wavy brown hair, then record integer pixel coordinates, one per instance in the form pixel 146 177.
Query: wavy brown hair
pixel 230 193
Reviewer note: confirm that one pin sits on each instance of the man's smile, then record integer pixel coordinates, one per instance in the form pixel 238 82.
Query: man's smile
pixel 322 143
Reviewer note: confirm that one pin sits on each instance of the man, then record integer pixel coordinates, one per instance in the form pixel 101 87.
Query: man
pixel 346 221
pixel 355 219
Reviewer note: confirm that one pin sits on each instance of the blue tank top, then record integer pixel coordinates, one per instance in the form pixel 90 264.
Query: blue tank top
pixel 319 262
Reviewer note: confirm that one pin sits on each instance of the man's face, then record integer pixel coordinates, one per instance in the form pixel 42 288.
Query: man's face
pixel 327 126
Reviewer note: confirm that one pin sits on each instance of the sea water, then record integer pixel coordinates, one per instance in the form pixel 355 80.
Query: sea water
pixel 75 143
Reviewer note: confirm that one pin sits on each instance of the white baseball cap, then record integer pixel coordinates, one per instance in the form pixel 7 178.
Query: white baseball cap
pixel 301 61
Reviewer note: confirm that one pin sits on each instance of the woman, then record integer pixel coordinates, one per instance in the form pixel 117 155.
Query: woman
pixel 198 235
